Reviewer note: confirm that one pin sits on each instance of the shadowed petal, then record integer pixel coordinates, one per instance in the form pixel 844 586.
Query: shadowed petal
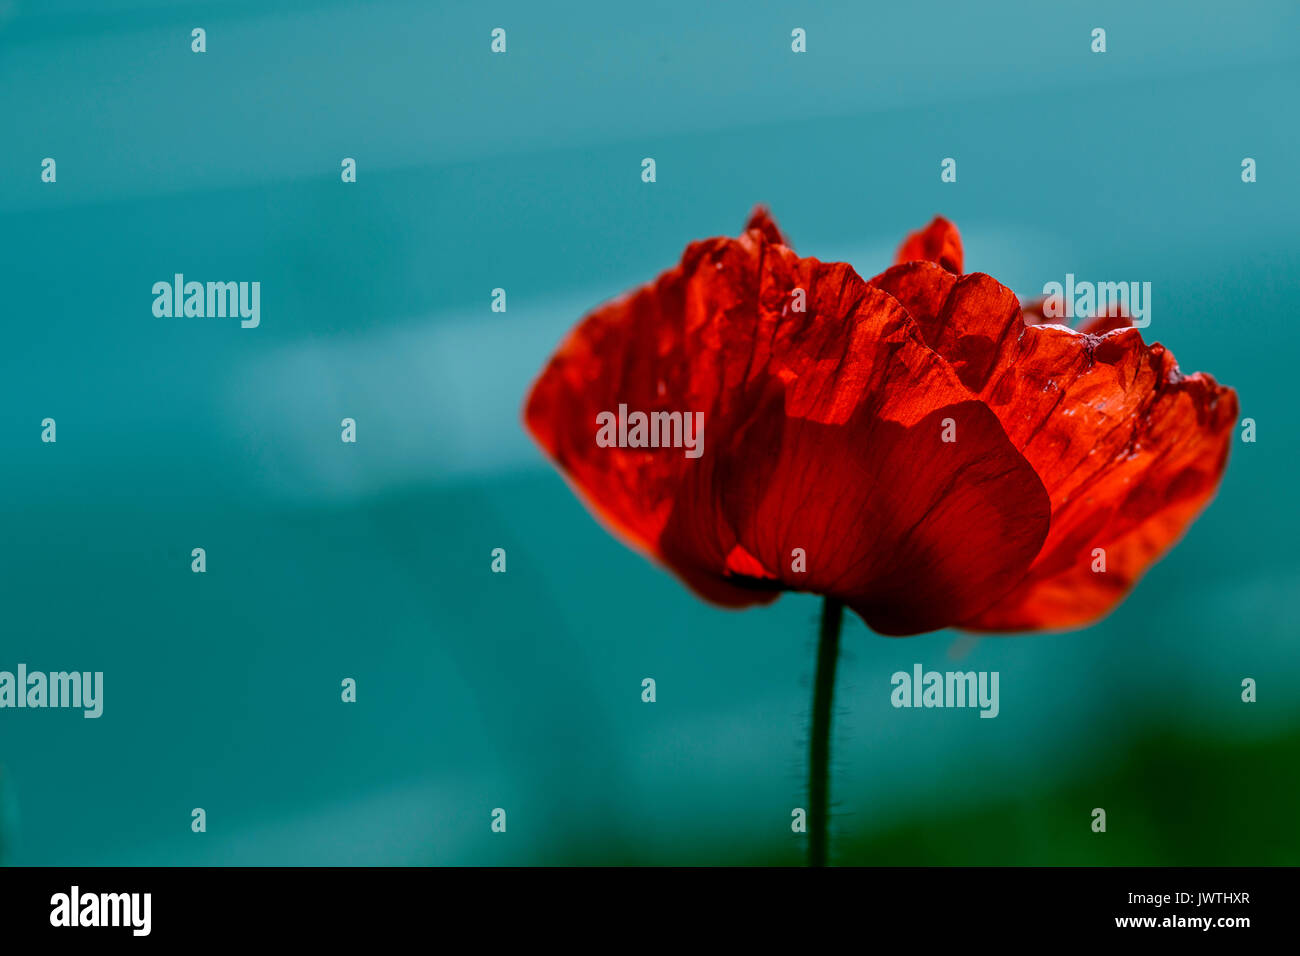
pixel 823 432
pixel 1128 447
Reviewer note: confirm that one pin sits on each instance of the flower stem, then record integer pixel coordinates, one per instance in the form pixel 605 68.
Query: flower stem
pixel 819 758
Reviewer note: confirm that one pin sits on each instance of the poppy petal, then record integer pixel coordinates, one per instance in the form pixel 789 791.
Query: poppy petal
pixel 939 242
pixel 824 431
pixel 1128 447
pixel 761 219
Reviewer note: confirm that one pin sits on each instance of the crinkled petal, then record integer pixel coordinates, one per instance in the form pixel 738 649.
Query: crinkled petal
pixel 824 463
pixel 1129 448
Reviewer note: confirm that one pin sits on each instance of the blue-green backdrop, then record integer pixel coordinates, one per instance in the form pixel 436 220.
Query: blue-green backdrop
pixel 371 561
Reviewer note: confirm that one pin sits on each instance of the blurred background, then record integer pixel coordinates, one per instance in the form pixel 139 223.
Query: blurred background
pixel 522 691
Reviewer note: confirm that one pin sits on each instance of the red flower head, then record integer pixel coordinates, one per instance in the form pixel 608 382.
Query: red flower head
pixel 913 446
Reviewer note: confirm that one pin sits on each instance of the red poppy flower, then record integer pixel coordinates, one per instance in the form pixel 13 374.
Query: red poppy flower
pixel 915 447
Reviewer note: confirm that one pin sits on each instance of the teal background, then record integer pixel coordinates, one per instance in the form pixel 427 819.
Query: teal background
pixel 371 561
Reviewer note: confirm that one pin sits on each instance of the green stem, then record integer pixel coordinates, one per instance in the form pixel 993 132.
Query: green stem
pixel 819 759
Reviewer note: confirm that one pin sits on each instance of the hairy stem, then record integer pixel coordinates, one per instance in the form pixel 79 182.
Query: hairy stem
pixel 819 757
